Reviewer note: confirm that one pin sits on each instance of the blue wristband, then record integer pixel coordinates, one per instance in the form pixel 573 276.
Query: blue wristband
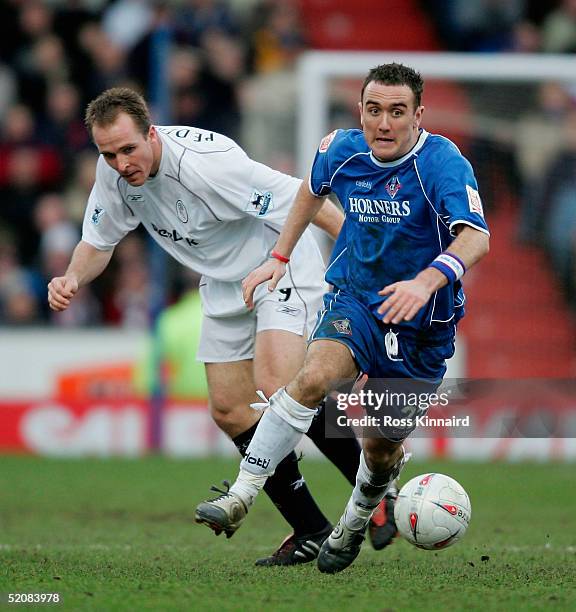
pixel 450 265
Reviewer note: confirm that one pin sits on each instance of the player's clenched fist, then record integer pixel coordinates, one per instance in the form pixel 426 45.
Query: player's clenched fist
pixel 60 291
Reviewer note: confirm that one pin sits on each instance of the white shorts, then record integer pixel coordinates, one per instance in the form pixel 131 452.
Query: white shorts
pixel 229 329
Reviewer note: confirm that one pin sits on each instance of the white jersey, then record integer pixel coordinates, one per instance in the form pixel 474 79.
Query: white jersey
pixel 210 206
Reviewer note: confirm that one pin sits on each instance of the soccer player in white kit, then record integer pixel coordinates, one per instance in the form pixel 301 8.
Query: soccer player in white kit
pixel 219 213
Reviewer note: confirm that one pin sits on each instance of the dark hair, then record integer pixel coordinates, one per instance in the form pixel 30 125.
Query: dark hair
pixel 104 109
pixel 396 74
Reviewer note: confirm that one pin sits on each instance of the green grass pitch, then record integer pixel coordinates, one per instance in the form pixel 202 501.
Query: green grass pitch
pixel 118 535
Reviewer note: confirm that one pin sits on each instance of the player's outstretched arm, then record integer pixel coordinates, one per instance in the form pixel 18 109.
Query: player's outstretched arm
pixel 86 264
pixel 405 298
pixel 305 207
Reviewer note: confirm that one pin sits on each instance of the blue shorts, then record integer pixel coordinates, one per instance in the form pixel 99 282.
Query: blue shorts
pixel 382 351
pixel 386 353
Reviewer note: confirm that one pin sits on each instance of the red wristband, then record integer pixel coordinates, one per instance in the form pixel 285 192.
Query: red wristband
pixel 279 257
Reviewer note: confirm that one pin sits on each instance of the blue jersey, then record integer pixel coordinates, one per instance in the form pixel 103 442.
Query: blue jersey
pixel 400 216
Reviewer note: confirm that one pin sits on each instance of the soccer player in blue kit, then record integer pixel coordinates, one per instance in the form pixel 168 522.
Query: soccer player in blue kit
pixel 414 225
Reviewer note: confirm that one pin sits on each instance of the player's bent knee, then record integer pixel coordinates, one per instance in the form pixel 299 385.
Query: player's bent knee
pixel 222 417
pixel 311 386
pixel 269 385
pixel 226 415
pixel 223 403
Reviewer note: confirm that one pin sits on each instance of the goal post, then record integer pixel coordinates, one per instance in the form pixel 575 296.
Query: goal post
pixel 316 68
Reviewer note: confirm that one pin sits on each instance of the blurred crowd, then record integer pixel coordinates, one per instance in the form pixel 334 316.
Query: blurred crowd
pixel 512 25
pixel 538 155
pixel 231 70
pixel 54 58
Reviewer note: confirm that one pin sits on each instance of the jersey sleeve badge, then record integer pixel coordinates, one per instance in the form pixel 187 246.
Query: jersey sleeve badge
pixel 474 201
pixel 327 141
pixel 261 202
pixel 97 214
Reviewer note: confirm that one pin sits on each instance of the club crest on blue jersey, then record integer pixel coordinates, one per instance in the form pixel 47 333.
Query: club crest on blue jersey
pixel 343 326
pixel 393 186
pixel 260 202
pixel 97 215
pixel 181 211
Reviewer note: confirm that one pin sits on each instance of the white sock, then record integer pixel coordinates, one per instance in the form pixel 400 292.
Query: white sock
pixel 368 492
pixel 279 431
pixel 247 486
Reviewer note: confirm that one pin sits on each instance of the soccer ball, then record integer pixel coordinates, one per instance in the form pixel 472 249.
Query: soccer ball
pixel 432 511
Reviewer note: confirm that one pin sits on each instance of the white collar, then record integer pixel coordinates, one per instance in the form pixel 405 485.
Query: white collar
pixel 391 164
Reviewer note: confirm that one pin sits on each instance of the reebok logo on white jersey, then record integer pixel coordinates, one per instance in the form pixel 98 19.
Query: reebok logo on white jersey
pixel 173 235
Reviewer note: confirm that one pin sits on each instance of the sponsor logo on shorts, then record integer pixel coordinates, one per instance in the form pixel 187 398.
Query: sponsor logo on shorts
pixel 97 214
pixel 289 310
pixel 181 211
pixel 343 326
pixel 391 345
